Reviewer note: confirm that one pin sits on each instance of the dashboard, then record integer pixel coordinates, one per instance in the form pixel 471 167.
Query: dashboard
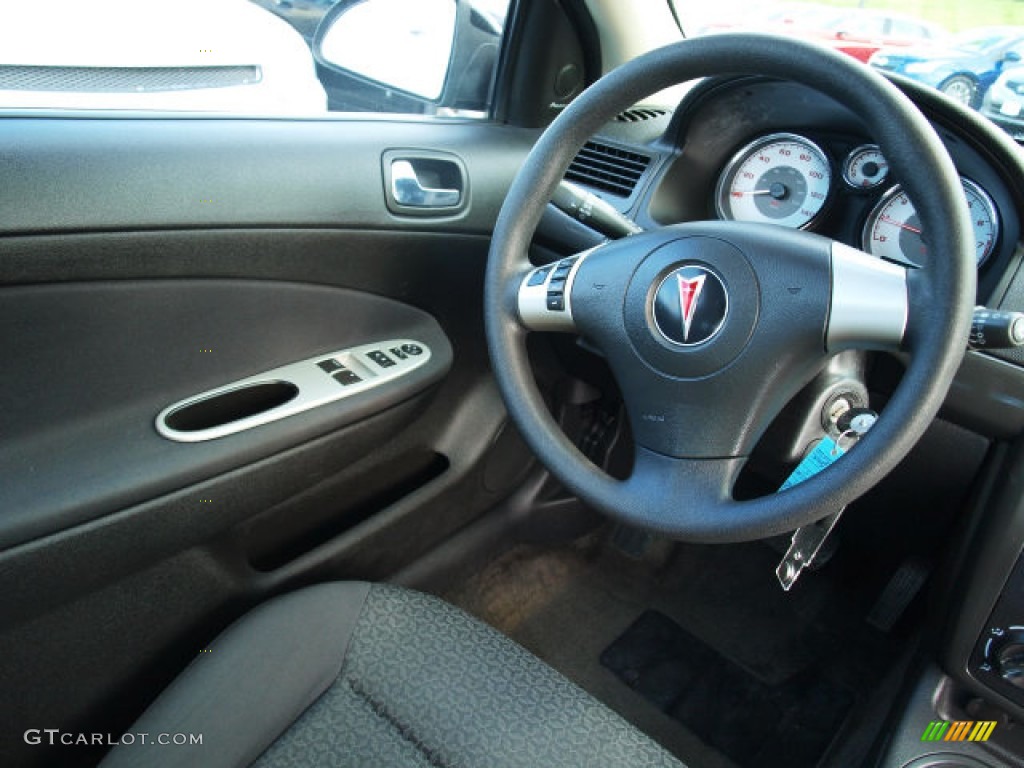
pixel 780 153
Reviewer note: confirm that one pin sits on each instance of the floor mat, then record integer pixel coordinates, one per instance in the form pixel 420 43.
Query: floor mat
pixel 566 603
pixel 789 723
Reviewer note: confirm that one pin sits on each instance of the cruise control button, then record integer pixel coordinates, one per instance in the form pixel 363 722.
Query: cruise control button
pixel 538 277
pixel 346 377
pixel 556 286
pixel 329 366
pixel 412 349
pixel 556 302
pixel 380 358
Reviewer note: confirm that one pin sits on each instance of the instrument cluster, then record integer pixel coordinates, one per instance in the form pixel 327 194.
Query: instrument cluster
pixel 789 180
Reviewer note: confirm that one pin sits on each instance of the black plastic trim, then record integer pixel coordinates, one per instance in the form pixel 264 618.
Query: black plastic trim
pixel 994 554
pixel 181 173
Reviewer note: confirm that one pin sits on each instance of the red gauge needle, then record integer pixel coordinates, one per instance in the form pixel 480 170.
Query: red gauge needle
pixel 741 193
pixel 901 225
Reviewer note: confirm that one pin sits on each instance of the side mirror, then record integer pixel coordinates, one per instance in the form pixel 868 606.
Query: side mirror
pixel 420 56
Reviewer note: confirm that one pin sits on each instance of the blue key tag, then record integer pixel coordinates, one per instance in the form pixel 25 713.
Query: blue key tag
pixel 824 454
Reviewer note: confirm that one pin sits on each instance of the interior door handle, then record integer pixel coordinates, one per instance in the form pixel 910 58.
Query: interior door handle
pixel 407 189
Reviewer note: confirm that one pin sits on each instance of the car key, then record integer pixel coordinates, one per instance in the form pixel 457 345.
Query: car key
pixel 808 539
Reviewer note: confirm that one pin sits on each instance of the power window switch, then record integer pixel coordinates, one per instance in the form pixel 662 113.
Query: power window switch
pixel 380 358
pixel 329 366
pixel 346 377
pixel 398 353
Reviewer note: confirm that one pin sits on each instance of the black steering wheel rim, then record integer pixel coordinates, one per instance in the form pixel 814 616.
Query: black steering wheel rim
pixel 942 295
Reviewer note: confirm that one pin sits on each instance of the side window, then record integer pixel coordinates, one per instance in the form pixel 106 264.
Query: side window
pixel 256 57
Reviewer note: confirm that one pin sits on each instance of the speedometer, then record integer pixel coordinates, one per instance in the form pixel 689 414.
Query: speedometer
pixel 779 179
pixel 893 230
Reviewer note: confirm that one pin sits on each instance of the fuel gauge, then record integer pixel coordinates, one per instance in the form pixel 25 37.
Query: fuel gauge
pixel 865 167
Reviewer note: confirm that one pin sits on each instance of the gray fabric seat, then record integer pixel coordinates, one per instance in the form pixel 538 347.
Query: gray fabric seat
pixel 353 674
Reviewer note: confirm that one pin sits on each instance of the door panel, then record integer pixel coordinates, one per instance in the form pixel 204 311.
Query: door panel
pixel 112 174
pixel 92 363
pixel 129 247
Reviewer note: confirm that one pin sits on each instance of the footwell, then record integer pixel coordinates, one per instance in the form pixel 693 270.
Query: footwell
pixel 789 723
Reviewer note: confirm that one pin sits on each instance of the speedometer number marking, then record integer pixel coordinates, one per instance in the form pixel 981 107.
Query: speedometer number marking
pixel 780 179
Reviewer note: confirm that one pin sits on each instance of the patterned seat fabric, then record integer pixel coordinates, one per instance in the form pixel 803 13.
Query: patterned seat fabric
pixel 424 684
pixel 374 676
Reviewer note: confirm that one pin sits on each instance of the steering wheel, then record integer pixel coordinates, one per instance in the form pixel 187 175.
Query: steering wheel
pixel 710 328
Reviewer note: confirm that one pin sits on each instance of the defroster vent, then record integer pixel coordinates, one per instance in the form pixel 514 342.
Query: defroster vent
pixel 608 168
pixel 639 114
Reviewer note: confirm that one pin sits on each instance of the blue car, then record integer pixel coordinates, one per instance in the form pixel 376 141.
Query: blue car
pixel 962 68
pixel 1004 102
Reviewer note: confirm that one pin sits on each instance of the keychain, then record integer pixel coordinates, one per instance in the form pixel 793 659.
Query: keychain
pixel 807 540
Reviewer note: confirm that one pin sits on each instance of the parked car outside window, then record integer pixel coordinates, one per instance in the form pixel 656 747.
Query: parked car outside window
pixel 257 57
pixel 181 55
pixel 959 52
pixel 962 69
pixel 1004 102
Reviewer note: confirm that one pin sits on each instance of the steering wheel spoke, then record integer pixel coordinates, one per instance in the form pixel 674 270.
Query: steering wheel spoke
pixel 544 297
pixel 663 491
pixel 869 307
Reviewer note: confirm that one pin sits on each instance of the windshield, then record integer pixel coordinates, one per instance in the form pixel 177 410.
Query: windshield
pixel 970 50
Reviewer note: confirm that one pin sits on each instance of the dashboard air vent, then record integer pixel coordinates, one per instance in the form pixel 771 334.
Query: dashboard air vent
pixel 639 114
pixel 608 168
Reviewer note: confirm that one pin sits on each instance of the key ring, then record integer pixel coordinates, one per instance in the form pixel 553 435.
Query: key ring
pixel 852 435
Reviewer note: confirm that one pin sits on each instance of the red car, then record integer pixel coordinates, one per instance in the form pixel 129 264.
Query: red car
pixel 857 32
pixel 862 32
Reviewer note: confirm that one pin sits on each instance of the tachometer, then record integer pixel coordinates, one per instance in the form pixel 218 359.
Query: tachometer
pixel 779 179
pixel 893 229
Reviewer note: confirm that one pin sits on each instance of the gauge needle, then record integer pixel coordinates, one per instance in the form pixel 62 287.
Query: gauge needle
pixel 901 225
pixel 740 193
